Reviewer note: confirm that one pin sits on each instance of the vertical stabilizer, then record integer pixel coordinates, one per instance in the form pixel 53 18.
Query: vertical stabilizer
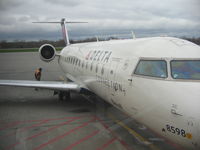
pixel 65 32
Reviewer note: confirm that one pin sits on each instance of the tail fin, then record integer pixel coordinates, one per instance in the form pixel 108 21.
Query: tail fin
pixel 65 32
pixel 64 28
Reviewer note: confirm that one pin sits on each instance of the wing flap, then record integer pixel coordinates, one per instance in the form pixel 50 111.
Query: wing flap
pixel 52 85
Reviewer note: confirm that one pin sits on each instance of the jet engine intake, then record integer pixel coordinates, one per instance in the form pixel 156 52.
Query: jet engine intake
pixel 47 52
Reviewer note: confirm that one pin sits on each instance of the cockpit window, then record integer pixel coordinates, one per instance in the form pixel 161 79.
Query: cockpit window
pixel 152 68
pixel 185 69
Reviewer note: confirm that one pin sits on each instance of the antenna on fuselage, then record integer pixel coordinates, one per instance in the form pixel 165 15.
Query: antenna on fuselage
pixel 133 35
pixel 97 38
pixel 64 28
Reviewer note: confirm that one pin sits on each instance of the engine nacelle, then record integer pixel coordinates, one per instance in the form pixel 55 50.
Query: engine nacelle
pixel 47 52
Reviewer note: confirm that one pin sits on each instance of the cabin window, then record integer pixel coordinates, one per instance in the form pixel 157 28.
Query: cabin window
pixel 79 62
pixel 152 68
pixel 185 69
pixel 82 64
pixel 102 70
pixel 76 61
pixel 111 71
pixel 91 66
pixel 86 66
pixel 96 68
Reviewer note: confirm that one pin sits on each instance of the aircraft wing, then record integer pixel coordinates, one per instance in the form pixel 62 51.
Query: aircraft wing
pixel 52 85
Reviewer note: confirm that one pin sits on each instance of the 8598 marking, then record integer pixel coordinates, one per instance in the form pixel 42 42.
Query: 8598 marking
pixel 177 131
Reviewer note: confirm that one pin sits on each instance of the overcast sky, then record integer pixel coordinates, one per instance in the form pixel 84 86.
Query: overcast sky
pixel 145 17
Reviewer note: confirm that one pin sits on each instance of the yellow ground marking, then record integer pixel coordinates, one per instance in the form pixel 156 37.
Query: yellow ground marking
pixel 131 131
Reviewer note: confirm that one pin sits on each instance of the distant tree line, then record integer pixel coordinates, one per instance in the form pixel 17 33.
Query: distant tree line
pixel 35 44
pixel 60 43
pixel 29 44
pixel 194 40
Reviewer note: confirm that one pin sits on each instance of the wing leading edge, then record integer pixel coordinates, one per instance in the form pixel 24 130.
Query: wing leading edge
pixel 52 85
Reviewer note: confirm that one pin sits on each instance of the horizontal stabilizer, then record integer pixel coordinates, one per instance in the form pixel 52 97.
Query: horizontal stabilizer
pixel 64 28
pixel 60 22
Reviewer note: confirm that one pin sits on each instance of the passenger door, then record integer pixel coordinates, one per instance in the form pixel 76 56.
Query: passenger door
pixel 113 78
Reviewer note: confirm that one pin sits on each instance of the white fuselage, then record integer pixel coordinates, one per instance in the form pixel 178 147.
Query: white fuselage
pixel 167 106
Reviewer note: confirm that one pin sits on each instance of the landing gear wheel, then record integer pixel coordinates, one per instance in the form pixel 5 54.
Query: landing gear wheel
pixel 67 95
pixel 64 95
pixel 60 96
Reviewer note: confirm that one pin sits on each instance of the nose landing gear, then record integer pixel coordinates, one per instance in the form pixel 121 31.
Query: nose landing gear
pixel 64 95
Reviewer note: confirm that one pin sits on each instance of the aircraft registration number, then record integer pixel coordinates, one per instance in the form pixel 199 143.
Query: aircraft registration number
pixel 175 130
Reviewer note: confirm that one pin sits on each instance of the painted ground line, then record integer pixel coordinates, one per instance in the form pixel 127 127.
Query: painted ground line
pixel 34 125
pixel 134 133
pixel 9 125
pixel 178 147
pixel 107 144
pixel 11 146
pixel 52 128
pixel 174 145
pixel 63 135
pixel 114 134
pixel 41 133
pixel 82 140
pixel 25 128
pixel 50 119
pixel 124 144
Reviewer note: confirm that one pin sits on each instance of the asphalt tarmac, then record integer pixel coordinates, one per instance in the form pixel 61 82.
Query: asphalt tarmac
pixel 34 120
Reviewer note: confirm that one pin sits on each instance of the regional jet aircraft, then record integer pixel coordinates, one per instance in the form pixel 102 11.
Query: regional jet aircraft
pixel 155 80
